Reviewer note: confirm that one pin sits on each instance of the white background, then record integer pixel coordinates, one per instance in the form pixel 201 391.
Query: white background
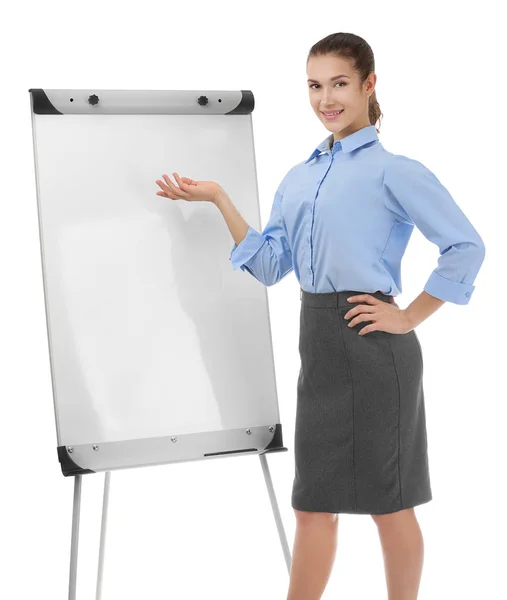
pixel 205 529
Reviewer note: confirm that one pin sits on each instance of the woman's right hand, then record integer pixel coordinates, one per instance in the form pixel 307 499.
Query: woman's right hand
pixel 188 189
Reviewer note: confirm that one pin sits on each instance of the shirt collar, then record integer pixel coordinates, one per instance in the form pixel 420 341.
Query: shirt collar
pixel 350 142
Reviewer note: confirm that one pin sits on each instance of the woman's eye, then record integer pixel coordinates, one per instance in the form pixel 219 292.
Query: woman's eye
pixel 341 82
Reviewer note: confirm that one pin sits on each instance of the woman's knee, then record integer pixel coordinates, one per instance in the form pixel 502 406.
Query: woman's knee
pixel 307 516
pixel 394 517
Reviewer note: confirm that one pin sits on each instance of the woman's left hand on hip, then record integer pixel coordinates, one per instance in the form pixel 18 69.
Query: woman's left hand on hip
pixel 382 316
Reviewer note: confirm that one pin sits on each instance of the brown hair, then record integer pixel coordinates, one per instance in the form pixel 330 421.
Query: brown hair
pixel 355 48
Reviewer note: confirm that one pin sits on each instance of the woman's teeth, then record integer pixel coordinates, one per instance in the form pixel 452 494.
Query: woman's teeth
pixel 332 115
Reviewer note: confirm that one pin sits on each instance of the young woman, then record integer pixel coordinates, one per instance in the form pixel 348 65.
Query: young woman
pixel 342 220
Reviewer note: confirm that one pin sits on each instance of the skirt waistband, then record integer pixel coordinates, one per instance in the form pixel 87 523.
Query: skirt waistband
pixel 336 299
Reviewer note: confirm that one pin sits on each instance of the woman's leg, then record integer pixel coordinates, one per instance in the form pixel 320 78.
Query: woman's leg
pixel 403 552
pixel 313 554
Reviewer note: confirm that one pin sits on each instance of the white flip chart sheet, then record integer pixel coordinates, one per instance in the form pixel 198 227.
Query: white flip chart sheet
pixel 159 351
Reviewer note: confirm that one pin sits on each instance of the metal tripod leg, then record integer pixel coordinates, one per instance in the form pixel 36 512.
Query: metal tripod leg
pixel 276 511
pixel 75 537
pixel 76 513
pixel 105 504
pixel 75 527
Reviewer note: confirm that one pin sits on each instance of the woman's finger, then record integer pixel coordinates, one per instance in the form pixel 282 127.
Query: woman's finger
pixel 167 183
pixel 163 185
pixel 367 329
pixel 360 309
pixel 166 192
pixel 364 298
pixel 180 182
pixel 170 189
pixel 165 188
pixel 175 190
pixel 368 316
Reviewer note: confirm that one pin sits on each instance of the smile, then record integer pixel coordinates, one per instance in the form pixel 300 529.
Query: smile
pixel 331 116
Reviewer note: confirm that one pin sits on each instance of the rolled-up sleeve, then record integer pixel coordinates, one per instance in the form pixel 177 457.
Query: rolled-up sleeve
pixel 267 255
pixel 416 196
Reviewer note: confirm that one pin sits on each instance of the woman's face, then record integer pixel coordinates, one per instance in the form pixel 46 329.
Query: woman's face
pixel 343 93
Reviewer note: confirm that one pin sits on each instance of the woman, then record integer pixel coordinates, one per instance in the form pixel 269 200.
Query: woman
pixel 342 220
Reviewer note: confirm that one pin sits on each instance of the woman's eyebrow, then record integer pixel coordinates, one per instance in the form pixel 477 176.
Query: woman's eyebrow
pixel 332 78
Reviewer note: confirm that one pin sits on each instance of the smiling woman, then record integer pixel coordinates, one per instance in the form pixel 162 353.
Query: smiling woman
pixel 343 82
pixel 341 220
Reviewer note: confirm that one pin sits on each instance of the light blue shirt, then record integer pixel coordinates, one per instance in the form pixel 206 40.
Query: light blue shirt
pixel 342 220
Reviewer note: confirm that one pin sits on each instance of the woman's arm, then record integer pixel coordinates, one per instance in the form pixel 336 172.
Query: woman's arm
pixel 415 195
pixel 235 222
pixel 267 255
pixel 421 308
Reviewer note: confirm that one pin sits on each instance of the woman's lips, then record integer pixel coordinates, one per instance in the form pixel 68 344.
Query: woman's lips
pixel 331 117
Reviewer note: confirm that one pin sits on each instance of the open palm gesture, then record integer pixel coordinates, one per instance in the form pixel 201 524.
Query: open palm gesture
pixel 189 189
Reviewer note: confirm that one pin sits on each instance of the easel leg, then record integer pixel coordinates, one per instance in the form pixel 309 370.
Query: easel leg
pixel 276 511
pixel 75 537
pixel 105 504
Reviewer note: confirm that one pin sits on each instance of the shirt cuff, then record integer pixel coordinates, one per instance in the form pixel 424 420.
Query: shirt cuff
pixel 451 291
pixel 248 247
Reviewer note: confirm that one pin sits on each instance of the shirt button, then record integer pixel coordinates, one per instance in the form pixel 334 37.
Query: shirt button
pixel 309 270
pixel 467 294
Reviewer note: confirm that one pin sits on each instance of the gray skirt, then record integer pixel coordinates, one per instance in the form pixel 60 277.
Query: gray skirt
pixel 360 434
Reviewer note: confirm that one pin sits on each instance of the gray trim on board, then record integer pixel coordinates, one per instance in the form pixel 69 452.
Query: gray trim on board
pixel 125 454
pixel 136 102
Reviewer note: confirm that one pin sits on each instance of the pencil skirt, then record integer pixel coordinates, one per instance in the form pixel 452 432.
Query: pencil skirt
pixel 360 442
